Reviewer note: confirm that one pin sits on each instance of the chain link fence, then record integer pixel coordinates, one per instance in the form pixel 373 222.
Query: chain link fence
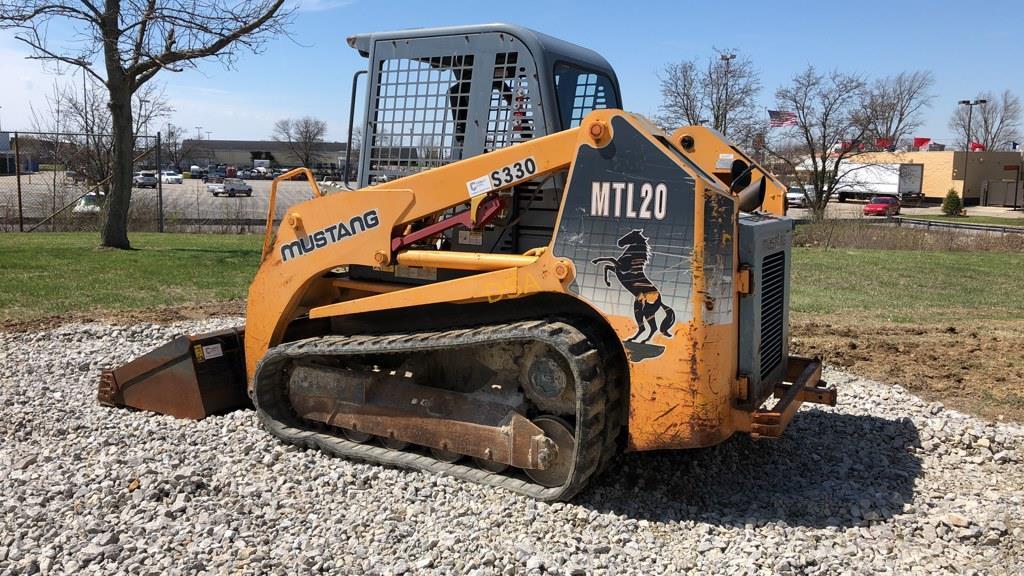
pixel 58 182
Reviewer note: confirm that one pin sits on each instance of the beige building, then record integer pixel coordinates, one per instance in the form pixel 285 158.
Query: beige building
pixel 993 178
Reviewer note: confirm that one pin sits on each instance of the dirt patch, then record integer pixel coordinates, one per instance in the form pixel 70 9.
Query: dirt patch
pixel 975 368
pixel 156 315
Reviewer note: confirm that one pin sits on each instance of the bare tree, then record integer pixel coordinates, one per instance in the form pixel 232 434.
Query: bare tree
pixel 722 93
pixel 124 44
pixel 830 130
pixel 175 150
pixel 894 105
pixel 682 95
pixel 993 124
pixel 81 123
pixel 302 137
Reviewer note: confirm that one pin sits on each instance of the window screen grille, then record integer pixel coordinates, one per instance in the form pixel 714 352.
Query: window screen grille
pixel 510 115
pixel 421 112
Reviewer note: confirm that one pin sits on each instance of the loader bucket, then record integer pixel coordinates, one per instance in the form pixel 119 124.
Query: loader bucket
pixel 189 377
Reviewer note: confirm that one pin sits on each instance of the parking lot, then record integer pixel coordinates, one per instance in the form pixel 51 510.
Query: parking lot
pixel 190 200
pixel 854 209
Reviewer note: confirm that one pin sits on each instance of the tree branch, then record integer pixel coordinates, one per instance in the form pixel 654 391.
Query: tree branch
pixel 172 56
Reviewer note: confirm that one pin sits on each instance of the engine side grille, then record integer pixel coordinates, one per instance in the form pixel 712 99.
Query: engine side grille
pixel 773 298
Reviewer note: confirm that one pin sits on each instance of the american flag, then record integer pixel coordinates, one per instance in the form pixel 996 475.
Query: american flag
pixel 780 118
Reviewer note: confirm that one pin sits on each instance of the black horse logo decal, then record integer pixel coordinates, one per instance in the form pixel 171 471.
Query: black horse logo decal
pixel 629 268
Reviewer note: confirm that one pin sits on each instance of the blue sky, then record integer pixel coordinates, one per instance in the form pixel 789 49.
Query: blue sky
pixel 968 50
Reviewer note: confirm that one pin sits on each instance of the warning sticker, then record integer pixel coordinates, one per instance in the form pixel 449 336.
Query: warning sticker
pixel 213 351
pixel 473 237
pixel 725 161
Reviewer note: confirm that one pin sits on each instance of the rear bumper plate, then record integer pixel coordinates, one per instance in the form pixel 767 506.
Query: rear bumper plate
pixel 803 383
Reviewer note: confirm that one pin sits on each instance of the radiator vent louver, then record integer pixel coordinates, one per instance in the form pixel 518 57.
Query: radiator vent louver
pixel 773 318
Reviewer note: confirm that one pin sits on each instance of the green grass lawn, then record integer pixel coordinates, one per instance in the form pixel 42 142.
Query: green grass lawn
pixel 45 274
pixel 978 220
pixel 905 286
pixel 52 274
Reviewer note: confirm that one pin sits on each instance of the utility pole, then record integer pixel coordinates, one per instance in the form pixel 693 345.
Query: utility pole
pixel 967 150
pixel 159 187
pixel 145 131
pixel 727 58
pixel 198 136
pixel 145 121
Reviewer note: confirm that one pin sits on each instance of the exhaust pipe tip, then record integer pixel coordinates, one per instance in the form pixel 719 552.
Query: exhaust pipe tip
pixel 752 197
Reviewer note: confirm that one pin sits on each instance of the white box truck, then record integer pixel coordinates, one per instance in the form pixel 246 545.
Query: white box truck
pixel 862 181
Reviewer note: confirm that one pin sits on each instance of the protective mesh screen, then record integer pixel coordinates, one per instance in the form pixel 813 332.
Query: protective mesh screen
pixel 421 111
pixel 510 115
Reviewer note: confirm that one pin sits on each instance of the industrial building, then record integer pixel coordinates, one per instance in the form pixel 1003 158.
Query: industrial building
pixel 7 162
pixel 241 153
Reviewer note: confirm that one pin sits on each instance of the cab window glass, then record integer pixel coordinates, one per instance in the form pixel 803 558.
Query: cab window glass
pixel 581 91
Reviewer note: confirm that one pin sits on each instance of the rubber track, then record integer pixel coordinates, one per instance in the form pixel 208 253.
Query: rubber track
pixel 596 438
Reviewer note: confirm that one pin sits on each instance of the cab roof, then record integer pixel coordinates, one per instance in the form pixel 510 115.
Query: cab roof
pixel 542 46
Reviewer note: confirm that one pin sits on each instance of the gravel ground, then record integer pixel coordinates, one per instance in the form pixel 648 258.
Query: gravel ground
pixel 885 483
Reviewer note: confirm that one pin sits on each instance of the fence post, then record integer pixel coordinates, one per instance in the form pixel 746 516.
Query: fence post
pixel 17 175
pixel 159 186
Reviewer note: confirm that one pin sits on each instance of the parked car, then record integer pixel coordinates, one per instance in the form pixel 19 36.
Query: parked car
pixel 91 203
pixel 230 187
pixel 882 206
pixel 144 179
pixel 170 177
pixel 215 174
pixel 795 197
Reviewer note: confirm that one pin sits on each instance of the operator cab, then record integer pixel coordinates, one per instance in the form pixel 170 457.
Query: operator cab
pixel 439 95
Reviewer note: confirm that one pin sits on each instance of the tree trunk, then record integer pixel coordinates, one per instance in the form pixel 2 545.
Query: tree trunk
pixel 115 227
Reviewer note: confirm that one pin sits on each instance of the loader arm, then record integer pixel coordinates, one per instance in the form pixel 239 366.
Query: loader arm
pixel 362 227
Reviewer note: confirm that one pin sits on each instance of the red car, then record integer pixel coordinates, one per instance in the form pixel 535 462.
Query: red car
pixel 882 206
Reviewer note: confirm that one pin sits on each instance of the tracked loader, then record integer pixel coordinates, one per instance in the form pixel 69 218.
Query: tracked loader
pixel 526 281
